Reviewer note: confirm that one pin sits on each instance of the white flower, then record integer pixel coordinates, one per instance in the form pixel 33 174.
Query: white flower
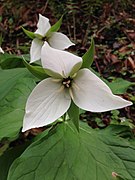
pixel 56 40
pixel 1 50
pixel 51 98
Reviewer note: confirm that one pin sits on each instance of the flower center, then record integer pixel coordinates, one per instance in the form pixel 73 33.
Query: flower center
pixel 67 82
pixel 44 38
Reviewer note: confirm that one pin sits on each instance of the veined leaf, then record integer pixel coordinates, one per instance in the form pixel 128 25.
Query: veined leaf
pixel 55 27
pixel 15 87
pixel 7 159
pixel 66 154
pixel 88 57
pixel 9 61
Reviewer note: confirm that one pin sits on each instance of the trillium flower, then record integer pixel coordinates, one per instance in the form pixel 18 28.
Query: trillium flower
pixel 56 39
pixel 52 97
pixel 1 50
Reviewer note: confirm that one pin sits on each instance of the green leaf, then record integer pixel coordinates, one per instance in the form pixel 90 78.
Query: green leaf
pixel 88 57
pixel 119 85
pixel 66 154
pixel 119 130
pixel 28 33
pixel 7 159
pixel 11 154
pixel 37 71
pixel 15 87
pixel 9 61
pixel 55 27
pixel 73 113
pixel 4 144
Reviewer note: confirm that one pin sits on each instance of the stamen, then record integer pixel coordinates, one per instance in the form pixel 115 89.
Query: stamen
pixel 67 82
pixel 63 74
pixel 74 75
pixel 76 86
pixel 56 80
pixel 71 93
pixel 61 89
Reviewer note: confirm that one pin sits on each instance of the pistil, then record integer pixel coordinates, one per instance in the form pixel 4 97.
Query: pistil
pixel 67 82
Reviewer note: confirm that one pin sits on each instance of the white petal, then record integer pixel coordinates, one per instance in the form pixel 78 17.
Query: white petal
pixel 58 61
pixel 35 50
pixel 47 102
pixel 1 50
pixel 43 25
pixel 92 94
pixel 59 41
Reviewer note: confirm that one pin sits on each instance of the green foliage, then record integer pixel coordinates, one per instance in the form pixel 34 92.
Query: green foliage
pixel 8 61
pixel 37 71
pixel 28 33
pixel 16 85
pixel 55 27
pixel 73 113
pixel 115 115
pixel 120 130
pixel 8 157
pixel 115 119
pixel 88 57
pixel 119 85
pixel 66 154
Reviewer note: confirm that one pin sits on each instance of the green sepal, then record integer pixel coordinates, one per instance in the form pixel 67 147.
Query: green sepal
pixel 88 57
pixel 39 36
pixel 28 33
pixel 55 27
pixel 37 71
pixel 73 113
